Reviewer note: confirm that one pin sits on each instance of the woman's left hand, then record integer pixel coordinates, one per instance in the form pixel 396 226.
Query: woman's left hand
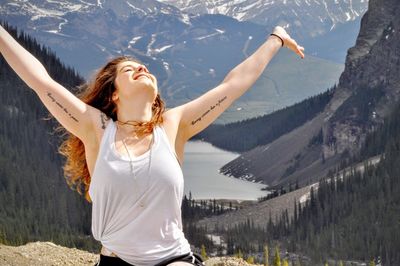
pixel 288 41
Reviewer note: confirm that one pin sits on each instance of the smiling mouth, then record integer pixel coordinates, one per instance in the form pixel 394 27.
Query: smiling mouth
pixel 141 75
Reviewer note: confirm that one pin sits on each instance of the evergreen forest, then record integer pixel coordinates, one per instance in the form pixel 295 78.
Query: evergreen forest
pixel 265 129
pixel 355 217
pixel 35 201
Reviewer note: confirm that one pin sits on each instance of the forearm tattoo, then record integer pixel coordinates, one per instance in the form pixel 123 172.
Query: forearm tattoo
pixel 62 107
pixel 103 119
pixel 212 107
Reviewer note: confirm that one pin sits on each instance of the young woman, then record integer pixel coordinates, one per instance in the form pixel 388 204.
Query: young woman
pixel 125 151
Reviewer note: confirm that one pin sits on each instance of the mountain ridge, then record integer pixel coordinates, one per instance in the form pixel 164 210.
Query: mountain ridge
pixel 304 17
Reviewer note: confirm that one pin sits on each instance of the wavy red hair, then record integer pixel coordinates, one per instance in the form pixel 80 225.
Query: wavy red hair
pixel 98 93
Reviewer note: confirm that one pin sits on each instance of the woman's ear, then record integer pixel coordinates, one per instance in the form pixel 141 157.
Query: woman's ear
pixel 114 96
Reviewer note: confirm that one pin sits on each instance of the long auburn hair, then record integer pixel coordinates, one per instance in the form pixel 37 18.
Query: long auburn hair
pixel 98 94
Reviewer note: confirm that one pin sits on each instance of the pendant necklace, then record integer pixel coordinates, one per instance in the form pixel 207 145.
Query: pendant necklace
pixel 130 159
pixel 132 167
pixel 131 164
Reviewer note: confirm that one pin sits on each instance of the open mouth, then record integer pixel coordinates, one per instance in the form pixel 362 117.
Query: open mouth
pixel 141 75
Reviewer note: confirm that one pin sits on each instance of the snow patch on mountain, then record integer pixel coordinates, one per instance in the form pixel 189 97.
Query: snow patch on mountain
pixel 166 65
pixel 42 12
pixel 185 19
pixel 135 8
pixel 134 40
pixel 161 49
pixel 321 15
pixel 152 41
pixel 218 32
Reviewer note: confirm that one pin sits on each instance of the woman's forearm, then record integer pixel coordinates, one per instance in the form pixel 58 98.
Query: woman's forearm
pixel 244 75
pixel 28 68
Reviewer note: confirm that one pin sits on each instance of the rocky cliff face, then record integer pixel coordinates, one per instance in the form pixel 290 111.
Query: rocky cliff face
pixel 370 84
pixel 367 90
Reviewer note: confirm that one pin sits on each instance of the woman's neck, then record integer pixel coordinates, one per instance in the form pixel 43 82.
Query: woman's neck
pixel 135 112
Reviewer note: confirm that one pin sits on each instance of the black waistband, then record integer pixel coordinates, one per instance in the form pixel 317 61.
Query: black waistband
pixel 194 259
pixel 191 258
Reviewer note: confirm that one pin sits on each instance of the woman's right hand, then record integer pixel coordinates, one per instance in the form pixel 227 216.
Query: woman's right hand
pixel 288 41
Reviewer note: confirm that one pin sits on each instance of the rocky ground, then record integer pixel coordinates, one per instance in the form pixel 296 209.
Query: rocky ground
pixel 44 254
pixel 49 254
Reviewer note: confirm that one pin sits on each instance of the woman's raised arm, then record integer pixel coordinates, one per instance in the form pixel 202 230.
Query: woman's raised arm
pixel 198 114
pixel 72 113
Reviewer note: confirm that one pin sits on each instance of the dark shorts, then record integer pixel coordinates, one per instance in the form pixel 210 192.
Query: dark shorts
pixel 191 258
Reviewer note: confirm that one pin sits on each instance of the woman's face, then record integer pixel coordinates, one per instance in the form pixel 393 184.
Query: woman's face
pixel 133 79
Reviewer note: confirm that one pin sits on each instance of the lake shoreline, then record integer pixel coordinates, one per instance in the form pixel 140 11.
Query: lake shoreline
pixel 204 181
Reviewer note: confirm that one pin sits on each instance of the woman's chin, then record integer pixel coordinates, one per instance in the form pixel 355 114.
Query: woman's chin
pixel 150 88
pixel 147 82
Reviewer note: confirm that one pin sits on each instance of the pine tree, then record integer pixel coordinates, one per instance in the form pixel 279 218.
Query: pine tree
pixel 277 258
pixel 239 255
pixel 266 256
pixel 203 252
pixel 250 260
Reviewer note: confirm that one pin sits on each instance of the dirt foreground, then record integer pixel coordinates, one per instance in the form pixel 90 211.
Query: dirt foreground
pixel 49 254
pixel 44 254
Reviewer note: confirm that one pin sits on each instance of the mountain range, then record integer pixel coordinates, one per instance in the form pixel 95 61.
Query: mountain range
pixel 189 52
pixel 306 18
pixel 316 23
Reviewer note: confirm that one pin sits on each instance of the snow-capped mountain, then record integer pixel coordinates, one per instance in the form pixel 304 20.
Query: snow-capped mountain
pixel 188 53
pixel 308 18
pixel 45 14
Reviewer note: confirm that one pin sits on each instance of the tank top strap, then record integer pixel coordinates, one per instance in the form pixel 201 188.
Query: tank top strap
pixel 106 139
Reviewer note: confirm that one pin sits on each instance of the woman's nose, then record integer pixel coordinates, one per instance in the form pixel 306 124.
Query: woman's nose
pixel 142 68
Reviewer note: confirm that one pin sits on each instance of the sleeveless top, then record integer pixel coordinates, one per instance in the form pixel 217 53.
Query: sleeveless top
pixel 136 204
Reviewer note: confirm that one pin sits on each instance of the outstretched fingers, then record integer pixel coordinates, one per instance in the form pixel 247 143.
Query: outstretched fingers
pixel 300 51
pixel 292 45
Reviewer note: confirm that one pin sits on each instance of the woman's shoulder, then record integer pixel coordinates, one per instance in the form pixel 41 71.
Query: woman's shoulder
pixel 173 115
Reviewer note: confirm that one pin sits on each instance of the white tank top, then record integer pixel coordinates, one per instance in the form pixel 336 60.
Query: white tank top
pixel 138 216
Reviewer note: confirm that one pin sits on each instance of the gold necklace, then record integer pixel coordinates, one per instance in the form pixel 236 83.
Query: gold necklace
pixel 139 126
pixel 129 123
